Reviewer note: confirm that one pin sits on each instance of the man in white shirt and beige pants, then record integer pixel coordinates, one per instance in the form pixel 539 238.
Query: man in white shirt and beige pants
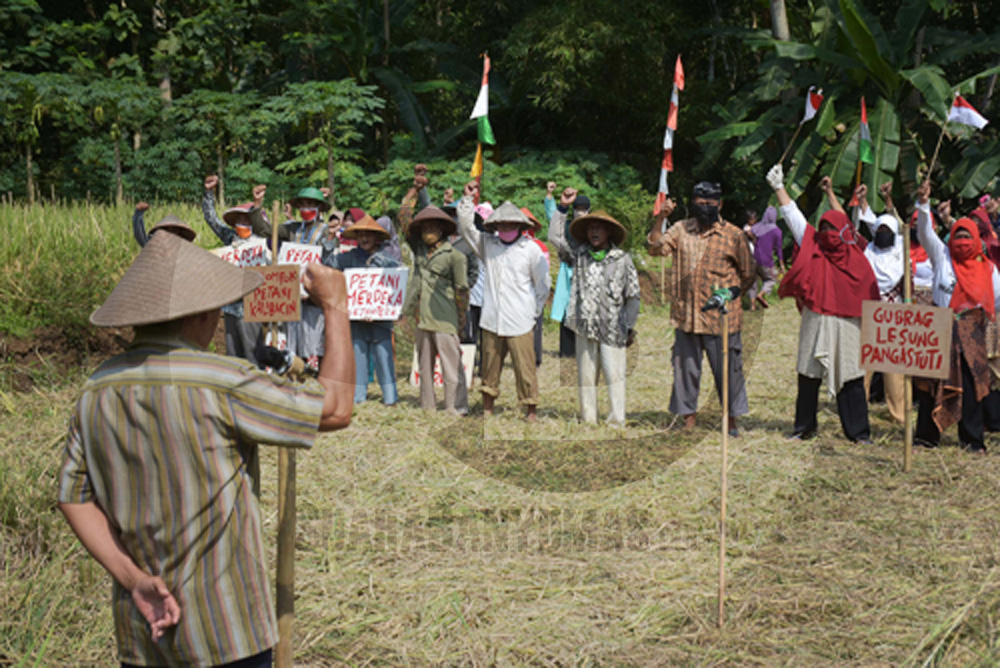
pixel 514 295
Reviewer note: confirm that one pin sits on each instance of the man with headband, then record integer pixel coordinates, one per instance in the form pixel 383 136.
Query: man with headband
pixel 707 253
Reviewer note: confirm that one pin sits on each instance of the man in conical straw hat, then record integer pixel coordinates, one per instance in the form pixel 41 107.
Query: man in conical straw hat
pixel 515 290
pixel 156 479
pixel 603 304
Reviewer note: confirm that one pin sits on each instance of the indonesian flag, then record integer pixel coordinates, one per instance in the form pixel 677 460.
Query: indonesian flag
pixel 481 110
pixel 964 113
pixel 667 164
pixel 814 98
pixel 865 140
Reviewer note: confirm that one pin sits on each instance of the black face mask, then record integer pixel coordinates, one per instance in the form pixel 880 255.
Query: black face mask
pixel 705 214
pixel 884 238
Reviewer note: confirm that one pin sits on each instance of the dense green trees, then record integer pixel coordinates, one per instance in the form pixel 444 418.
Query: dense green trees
pixel 142 97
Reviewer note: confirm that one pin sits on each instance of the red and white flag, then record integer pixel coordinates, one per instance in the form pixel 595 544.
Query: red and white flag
pixel 667 164
pixel 814 98
pixel 964 113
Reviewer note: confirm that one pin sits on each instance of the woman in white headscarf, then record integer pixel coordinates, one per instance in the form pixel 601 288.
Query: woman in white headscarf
pixel 885 254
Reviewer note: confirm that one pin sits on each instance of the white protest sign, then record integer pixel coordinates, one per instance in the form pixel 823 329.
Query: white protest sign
pixel 253 253
pixel 375 293
pixel 302 255
pixel 468 361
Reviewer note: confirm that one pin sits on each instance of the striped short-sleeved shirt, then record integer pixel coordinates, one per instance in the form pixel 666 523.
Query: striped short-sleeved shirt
pixel 162 439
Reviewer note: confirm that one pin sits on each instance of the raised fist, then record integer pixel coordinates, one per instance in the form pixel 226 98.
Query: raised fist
pixel 944 209
pixel 776 177
pixel 288 210
pixel 568 197
pixel 258 194
pixel 420 170
pixel 470 189
pixel 141 206
pixel 449 195
pixel 861 192
pixel 211 181
pixel 668 207
pixel 420 182
pixel 924 192
pixel 885 190
pixel 826 184
pixel 326 192
pixel 550 187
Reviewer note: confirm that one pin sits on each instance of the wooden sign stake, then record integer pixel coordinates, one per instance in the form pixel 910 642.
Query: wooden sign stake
pixel 723 314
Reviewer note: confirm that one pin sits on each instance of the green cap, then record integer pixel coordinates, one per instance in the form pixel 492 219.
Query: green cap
pixel 310 194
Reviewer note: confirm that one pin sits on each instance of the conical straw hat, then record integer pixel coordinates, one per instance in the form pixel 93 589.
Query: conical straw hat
pixel 616 231
pixel 172 278
pixel 366 224
pixel 173 224
pixel 507 213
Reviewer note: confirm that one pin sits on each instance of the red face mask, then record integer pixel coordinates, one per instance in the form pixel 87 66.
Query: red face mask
pixel 829 240
pixel 309 215
pixel 963 249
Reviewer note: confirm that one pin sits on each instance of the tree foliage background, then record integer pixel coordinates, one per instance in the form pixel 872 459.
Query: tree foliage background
pixel 141 98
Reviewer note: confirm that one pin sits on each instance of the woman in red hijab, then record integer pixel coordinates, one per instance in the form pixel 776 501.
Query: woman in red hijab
pixel 829 279
pixel 966 281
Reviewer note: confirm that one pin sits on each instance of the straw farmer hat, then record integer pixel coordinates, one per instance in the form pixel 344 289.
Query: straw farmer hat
pixel 508 213
pixel 534 220
pixel 307 196
pixel 448 226
pixel 616 231
pixel 175 225
pixel 169 279
pixel 366 224
pixel 230 214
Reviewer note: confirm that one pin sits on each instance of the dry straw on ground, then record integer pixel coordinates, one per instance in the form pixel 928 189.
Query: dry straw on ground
pixel 425 542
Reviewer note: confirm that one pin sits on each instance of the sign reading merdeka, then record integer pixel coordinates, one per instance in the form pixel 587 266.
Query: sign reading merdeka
pixel 277 299
pixel 375 293
pixel 910 339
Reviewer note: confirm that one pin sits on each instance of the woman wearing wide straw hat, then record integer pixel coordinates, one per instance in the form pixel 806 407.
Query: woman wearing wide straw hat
pixel 515 290
pixel 603 305
pixel 372 340
pixel 156 480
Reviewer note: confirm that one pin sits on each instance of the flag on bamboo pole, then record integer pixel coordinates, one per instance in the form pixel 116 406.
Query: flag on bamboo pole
pixel 865 141
pixel 667 164
pixel 480 112
pixel 814 98
pixel 964 113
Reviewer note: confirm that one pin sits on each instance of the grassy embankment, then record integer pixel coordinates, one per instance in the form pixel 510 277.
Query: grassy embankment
pixel 424 542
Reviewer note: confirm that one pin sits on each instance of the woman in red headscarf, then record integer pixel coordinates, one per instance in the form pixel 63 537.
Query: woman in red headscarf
pixel 829 279
pixel 966 281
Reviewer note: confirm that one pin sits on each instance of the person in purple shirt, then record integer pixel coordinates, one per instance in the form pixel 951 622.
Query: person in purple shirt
pixel 767 240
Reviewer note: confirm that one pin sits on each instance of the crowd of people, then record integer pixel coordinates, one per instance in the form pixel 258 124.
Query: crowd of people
pixel 157 476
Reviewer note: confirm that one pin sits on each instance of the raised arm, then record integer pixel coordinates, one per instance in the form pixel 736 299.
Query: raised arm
pixel 925 227
pixel 550 200
pixel 565 245
pixel 336 372
pixel 658 241
pixel 789 210
pixel 826 185
pixel 224 232
pixel 139 224
pixel 466 209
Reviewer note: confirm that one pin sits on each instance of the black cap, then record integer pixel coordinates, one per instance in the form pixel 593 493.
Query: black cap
pixel 708 190
pixel 581 202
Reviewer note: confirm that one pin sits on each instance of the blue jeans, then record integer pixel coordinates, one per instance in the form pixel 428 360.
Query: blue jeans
pixel 373 342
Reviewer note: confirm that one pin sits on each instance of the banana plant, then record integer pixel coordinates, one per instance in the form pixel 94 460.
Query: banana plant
pixel 908 75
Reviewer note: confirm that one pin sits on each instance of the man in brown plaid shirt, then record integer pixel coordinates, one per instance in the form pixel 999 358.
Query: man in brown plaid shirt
pixel 707 253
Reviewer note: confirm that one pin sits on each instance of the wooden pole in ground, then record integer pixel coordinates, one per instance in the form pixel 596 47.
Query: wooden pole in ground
pixel 285 602
pixel 904 230
pixel 723 315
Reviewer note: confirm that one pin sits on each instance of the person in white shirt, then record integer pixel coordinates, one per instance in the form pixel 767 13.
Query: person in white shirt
pixel 515 289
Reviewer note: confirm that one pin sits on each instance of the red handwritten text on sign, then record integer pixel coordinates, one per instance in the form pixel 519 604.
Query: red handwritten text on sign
pixel 375 294
pixel 253 253
pixel 302 255
pixel 910 339
pixel 277 299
